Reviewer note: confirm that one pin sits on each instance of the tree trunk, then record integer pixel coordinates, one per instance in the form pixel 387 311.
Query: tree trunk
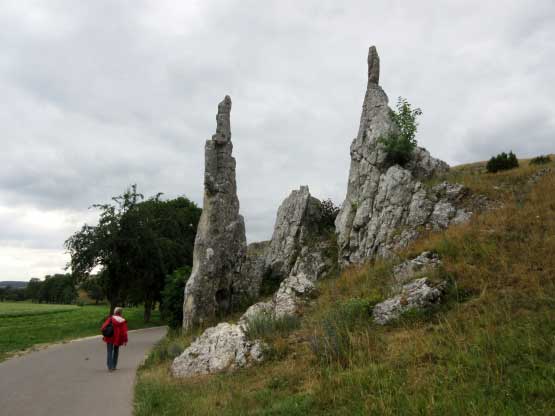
pixel 148 310
pixel 113 304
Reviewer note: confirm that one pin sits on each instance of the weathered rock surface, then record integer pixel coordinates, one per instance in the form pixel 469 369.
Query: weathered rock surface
pixel 292 294
pixel 252 273
pixel 423 263
pixel 296 225
pixel 386 206
pixel 220 244
pixel 224 347
pixel 418 294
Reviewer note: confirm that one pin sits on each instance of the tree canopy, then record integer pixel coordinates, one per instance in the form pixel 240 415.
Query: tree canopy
pixel 135 244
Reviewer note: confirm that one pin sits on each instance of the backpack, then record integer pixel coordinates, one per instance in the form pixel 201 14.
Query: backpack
pixel 108 330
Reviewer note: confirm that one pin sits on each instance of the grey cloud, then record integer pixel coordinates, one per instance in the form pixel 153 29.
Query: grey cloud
pixel 100 95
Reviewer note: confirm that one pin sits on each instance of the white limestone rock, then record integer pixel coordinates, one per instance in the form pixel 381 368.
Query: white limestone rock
pixel 296 223
pixel 224 347
pixel 423 263
pixel 418 294
pixel 293 292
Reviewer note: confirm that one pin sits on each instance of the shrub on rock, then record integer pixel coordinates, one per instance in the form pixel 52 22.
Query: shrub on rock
pixel 399 146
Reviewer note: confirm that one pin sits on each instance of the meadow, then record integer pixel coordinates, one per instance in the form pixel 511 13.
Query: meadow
pixel 489 349
pixel 24 325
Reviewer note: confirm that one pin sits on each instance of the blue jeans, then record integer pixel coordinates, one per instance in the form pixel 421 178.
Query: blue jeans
pixel 113 351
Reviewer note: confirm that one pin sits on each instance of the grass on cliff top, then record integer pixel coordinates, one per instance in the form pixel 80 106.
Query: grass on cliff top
pixel 488 350
pixel 24 325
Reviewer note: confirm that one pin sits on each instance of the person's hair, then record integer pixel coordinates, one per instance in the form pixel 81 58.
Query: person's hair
pixel 118 310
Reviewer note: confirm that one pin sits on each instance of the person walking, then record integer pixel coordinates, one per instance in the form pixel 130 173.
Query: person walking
pixel 114 330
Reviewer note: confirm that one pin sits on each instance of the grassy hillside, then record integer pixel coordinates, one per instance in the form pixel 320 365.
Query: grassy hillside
pixel 489 349
pixel 24 325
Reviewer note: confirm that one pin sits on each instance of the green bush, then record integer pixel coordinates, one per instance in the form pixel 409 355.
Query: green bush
pixel 502 161
pixel 329 214
pixel 540 160
pixel 400 146
pixel 171 306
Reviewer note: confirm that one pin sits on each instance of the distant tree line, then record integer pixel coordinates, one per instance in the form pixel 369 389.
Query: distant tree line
pixel 136 245
pixel 58 288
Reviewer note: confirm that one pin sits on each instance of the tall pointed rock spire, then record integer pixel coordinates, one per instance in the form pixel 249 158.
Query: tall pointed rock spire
pixel 220 244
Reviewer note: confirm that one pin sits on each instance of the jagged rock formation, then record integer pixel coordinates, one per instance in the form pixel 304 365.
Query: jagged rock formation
pixel 299 245
pixel 297 222
pixel 386 206
pixel 220 243
pixel 220 348
pixel 296 256
pixel 419 294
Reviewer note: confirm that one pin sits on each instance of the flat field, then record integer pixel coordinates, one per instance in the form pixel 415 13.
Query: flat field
pixel 24 325
pixel 16 309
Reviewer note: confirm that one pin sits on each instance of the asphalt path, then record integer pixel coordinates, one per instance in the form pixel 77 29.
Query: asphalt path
pixel 72 378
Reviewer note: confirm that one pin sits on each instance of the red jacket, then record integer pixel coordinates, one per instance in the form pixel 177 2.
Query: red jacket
pixel 120 330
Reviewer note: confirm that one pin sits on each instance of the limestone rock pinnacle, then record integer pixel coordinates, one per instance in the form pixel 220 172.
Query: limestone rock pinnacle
pixel 223 124
pixel 386 205
pixel 373 65
pixel 220 243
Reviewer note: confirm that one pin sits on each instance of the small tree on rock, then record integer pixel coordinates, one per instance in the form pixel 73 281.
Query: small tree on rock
pixel 399 146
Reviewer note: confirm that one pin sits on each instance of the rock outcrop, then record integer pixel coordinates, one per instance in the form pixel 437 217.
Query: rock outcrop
pixel 297 223
pixel 252 274
pixel 425 262
pixel 419 294
pixel 294 292
pixel 220 244
pixel 386 206
pixel 224 347
pixel 299 246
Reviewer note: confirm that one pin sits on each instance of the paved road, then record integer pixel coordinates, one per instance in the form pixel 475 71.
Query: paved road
pixel 72 379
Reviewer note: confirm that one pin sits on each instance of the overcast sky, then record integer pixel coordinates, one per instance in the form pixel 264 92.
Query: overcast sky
pixel 98 95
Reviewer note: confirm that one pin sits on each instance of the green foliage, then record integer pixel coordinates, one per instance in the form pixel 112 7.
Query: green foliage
pixel 540 160
pixel 12 294
pixel 329 214
pixel 93 286
pixel 136 244
pixel 171 306
pixel 267 327
pixel 58 288
pixel 502 161
pixel 399 146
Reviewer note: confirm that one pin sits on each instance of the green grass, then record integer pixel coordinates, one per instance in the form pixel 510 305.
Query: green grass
pixel 488 350
pixel 24 325
pixel 15 309
pixel 268 327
